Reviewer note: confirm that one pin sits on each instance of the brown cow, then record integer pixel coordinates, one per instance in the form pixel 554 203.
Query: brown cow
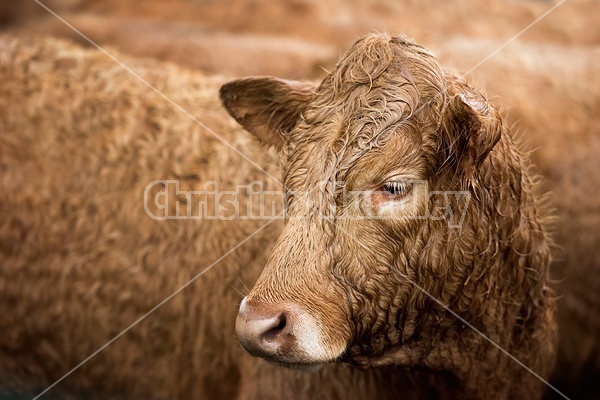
pixel 368 270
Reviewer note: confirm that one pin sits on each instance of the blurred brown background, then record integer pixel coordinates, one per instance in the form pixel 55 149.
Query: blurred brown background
pixel 294 38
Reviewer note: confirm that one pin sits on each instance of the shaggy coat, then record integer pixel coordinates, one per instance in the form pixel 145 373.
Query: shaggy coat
pixel 373 289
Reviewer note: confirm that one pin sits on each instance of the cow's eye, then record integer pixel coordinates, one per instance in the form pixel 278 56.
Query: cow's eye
pixel 396 188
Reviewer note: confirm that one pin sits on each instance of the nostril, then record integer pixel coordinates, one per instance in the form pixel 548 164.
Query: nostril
pixel 275 331
pixel 267 330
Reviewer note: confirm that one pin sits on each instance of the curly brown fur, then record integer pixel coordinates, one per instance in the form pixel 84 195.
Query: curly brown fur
pixel 389 108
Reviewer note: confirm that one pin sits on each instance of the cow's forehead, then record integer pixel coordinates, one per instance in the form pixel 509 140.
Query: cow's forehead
pixel 337 148
pixel 378 93
pixel 378 84
pixel 333 140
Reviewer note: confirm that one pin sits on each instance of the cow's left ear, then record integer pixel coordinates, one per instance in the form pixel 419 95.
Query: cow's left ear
pixel 267 107
pixel 471 128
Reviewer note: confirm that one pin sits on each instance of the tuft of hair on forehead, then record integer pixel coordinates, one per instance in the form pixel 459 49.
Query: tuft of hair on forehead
pixel 380 54
pixel 364 62
pixel 382 78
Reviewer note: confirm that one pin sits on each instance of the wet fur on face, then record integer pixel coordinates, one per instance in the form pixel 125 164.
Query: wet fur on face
pixel 389 111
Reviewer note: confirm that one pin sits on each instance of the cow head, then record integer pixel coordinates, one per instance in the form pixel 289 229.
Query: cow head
pixel 404 196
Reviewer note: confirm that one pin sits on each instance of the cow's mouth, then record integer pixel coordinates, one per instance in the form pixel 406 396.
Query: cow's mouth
pixel 297 363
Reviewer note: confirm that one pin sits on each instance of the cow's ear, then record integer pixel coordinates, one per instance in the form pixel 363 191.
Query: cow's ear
pixel 471 128
pixel 269 108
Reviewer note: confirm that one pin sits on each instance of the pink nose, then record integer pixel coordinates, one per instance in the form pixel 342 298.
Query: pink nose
pixel 265 330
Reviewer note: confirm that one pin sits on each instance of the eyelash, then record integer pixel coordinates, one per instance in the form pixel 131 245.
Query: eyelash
pixel 396 188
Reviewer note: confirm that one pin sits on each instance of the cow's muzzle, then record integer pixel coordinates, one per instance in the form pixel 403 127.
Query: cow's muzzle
pixel 267 330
